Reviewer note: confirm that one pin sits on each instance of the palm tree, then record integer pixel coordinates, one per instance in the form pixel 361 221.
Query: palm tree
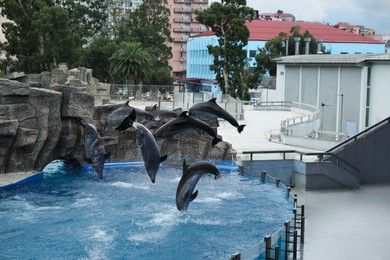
pixel 131 61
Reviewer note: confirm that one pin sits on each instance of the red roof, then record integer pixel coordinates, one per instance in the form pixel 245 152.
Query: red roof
pixel 265 30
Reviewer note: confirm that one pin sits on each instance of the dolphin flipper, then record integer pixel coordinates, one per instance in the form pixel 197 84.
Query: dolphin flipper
pixel 163 158
pixel 127 122
pixel 215 141
pixel 194 195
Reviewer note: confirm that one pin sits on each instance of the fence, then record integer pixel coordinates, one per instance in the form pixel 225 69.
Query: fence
pixel 319 155
pixel 284 243
pixel 166 97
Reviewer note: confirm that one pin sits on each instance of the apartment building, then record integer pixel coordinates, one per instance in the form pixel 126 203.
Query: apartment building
pixel 183 25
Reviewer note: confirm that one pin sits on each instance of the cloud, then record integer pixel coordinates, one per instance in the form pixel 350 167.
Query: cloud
pixel 371 14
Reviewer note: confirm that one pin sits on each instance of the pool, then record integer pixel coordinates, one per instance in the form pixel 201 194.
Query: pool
pixel 71 214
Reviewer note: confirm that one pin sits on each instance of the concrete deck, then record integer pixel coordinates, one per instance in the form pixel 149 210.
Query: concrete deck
pixel 340 224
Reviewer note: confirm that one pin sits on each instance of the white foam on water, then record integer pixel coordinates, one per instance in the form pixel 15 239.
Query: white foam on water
pixel 208 200
pixel 230 195
pixel 101 235
pixel 166 218
pixel 81 202
pixel 176 180
pixel 149 237
pixel 101 242
pixel 213 222
pixel 130 185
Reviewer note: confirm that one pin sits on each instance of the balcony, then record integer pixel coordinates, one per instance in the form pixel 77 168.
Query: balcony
pixel 198 30
pixel 182 29
pixel 184 10
pixel 191 1
pixel 180 39
pixel 189 30
pixel 183 20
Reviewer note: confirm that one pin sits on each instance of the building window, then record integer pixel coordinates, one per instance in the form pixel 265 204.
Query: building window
pixel 252 53
pixel 369 76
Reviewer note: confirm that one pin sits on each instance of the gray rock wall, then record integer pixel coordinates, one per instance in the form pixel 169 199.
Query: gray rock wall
pixel 40 122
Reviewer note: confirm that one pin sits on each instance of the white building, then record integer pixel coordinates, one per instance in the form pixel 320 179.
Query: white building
pixel 351 91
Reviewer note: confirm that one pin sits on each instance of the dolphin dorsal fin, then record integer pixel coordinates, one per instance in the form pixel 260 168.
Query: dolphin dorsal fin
pixel 183 114
pixel 193 196
pixel 213 100
pixel 154 107
pixel 127 103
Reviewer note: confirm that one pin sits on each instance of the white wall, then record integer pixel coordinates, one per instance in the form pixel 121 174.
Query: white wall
pixel 280 83
pixel 380 93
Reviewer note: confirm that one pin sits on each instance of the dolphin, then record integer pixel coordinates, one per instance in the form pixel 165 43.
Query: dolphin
pixel 95 152
pixel 183 123
pixel 160 114
pixel 149 149
pixel 212 109
pixel 116 117
pixel 191 175
pixel 160 117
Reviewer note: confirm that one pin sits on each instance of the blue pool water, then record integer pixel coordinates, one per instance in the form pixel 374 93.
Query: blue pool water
pixel 73 215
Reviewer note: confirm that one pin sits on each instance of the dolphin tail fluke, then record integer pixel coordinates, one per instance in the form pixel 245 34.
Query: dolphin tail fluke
pixel 240 128
pixel 127 122
pixel 163 158
pixel 215 141
pixel 194 195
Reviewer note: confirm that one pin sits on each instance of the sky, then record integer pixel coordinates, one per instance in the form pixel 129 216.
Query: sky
pixel 372 14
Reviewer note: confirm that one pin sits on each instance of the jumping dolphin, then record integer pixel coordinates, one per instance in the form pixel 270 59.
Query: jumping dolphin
pixel 160 114
pixel 116 117
pixel 191 175
pixel 183 123
pixel 160 117
pixel 212 109
pixel 149 149
pixel 95 152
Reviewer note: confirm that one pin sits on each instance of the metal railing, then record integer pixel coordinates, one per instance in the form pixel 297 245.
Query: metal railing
pixel 272 105
pixel 285 124
pixel 284 243
pixel 320 155
pixel 360 134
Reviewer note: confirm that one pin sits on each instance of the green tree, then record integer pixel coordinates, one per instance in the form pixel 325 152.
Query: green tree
pixel 149 25
pixel 227 20
pixel 277 46
pixel 96 57
pixel 131 62
pixel 44 33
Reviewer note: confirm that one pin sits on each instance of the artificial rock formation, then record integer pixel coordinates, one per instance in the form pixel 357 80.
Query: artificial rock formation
pixel 40 118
